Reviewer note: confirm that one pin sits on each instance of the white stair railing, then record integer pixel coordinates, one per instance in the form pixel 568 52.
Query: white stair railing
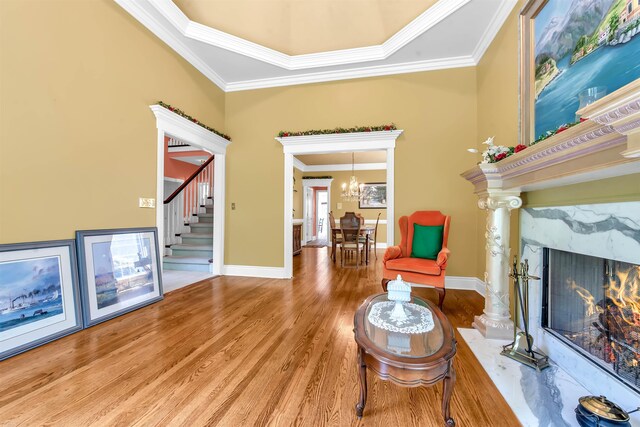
pixel 184 204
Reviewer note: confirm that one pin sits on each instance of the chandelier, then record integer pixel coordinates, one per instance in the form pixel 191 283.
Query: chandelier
pixel 354 191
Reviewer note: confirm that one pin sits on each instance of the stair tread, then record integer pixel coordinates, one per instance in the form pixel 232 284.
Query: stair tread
pixel 186 246
pixel 205 215
pixel 197 235
pixel 200 224
pixel 186 260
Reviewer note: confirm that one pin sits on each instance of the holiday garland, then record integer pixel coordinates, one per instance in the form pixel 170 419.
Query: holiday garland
pixel 191 119
pixel 339 130
pixel 495 153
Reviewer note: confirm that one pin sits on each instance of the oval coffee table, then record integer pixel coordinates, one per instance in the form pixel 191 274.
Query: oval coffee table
pixel 409 360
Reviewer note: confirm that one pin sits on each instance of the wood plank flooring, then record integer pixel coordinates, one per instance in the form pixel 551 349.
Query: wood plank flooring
pixel 235 351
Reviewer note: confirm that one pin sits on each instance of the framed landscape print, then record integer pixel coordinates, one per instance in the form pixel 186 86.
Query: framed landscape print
pixel 119 271
pixel 39 294
pixel 573 53
pixel 374 196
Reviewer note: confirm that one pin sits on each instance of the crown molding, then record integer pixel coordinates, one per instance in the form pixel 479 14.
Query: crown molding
pixel 354 73
pixel 169 23
pixel 163 34
pixel 334 142
pixel 217 38
pixel 492 30
pixel 173 124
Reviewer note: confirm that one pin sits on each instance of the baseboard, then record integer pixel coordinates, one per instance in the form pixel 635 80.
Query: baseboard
pixel 464 283
pixel 254 271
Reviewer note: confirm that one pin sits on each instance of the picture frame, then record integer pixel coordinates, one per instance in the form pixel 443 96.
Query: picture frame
pixel 39 294
pixel 565 66
pixel 119 271
pixel 374 196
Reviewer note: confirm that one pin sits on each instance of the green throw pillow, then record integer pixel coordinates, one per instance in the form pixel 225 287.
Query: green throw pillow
pixel 427 241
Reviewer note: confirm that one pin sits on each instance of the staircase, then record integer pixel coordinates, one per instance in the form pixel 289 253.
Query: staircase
pixel 189 223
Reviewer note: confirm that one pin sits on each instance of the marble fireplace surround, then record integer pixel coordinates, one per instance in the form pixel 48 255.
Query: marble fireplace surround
pixel 606 145
pixel 609 230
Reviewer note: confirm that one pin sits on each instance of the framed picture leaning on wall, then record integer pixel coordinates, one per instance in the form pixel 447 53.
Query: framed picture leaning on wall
pixel 119 271
pixel 39 294
pixel 374 196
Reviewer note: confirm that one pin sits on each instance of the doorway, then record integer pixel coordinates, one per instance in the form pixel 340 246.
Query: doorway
pixel 334 143
pixel 315 211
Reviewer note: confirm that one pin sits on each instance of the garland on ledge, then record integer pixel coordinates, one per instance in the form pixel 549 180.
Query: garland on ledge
pixel 495 153
pixel 191 119
pixel 356 129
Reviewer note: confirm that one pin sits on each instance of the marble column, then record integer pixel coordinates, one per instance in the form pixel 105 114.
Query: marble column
pixel 496 321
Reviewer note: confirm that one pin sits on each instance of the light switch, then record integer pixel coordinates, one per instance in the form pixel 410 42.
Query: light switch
pixel 339 206
pixel 233 206
pixel 144 202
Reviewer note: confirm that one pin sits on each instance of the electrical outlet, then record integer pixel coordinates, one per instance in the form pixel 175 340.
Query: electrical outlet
pixel 233 206
pixel 144 202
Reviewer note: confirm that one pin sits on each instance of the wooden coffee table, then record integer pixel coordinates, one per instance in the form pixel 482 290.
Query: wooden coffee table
pixel 409 360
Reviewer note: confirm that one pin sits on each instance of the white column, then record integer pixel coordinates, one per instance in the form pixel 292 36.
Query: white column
pixel 496 321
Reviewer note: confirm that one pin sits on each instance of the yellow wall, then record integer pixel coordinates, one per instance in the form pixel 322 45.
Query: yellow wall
pixel 498 106
pixel 77 137
pixel 438 112
pixel 619 189
pixel 297 194
pixel 336 189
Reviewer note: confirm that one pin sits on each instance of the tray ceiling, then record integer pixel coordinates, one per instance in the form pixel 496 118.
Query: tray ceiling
pixel 447 34
pixel 310 26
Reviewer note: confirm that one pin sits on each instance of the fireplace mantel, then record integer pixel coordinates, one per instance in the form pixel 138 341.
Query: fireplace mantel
pixel 606 145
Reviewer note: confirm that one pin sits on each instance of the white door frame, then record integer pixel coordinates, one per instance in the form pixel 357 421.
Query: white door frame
pixel 334 143
pixel 312 182
pixel 173 125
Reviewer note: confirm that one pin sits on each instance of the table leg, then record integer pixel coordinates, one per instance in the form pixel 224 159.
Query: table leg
pixel 367 249
pixel 449 380
pixel 363 383
pixel 333 246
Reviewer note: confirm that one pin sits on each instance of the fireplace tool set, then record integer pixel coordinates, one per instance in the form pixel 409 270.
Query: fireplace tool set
pixel 521 349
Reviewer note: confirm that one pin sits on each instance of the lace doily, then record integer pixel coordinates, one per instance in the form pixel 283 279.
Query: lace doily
pixel 419 318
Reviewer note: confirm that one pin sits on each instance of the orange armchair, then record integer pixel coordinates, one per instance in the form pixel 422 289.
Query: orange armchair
pixel 418 271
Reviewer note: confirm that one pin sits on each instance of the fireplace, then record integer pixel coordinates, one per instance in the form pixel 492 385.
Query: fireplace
pixel 593 305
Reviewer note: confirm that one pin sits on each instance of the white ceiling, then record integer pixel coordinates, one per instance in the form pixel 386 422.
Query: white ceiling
pixel 450 34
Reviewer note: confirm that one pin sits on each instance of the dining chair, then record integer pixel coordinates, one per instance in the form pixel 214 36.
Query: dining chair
pixel 372 239
pixel 351 244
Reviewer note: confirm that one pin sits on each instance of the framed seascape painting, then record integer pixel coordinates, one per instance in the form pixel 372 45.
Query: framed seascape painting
pixel 374 196
pixel 39 294
pixel 119 271
pixel 573 53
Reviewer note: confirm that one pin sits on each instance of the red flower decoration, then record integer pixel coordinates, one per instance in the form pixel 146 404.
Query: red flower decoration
pixel 562 129
pixel 387 128
pixel 519 148
pixel 501 156
pixel 583 119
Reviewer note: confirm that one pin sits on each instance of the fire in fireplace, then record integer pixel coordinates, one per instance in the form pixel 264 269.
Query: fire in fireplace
pixel 593 304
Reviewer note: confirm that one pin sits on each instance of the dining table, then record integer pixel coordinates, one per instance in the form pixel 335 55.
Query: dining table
pixel 365 231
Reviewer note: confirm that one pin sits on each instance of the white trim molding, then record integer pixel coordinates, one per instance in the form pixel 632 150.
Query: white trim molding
pixel 205 47
pixel 171 124
pixel 254 271
pixel 313 182
pixel 465 283
pixel 302 167
pixel 333 143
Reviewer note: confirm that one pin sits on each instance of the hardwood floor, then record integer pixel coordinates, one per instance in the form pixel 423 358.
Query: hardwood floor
pixel 235 351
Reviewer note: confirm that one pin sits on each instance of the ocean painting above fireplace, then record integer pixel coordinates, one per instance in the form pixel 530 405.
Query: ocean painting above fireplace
pixel 584 49
pixel 593 304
